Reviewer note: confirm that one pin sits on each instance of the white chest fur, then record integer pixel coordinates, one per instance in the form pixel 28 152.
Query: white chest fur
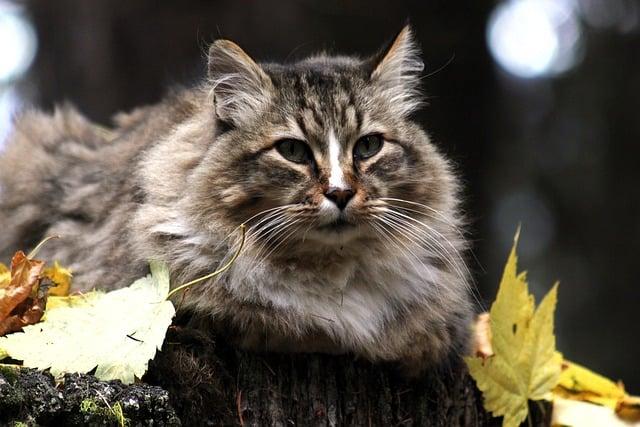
pixel 349 301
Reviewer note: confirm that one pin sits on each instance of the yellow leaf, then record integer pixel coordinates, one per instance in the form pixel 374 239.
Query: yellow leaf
pixel 61 278
pixel 70 301
pixel 525 365
pixel 5 276
pixel 511 311
pixel 577 379
pixel 117 333
pixel 578 383
pixel 567 412
pixel 541 363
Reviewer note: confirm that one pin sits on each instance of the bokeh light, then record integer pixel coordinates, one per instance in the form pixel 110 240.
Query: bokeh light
pixel 535 38
pixel 18 42
pixel 622 15
pixel 524 207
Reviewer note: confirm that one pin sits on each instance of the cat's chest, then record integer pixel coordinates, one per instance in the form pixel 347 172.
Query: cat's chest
pixel 343 299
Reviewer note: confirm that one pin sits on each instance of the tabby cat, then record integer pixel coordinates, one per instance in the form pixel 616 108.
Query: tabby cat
pixel 354 233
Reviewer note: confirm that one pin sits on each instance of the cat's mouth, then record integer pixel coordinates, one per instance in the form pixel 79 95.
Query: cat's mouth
pixel 337 226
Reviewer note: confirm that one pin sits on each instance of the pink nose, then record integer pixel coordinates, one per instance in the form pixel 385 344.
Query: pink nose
pixel 339 196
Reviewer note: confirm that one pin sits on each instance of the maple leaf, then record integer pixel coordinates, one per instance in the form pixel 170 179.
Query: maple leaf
pixel 524 365
pixel 117 333
pixel 17 309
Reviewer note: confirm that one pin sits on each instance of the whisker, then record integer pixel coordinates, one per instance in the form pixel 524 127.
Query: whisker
pixel 272 235
pixel 440 236
pixel 246 221
pixel 283 239
pixel 278 241
pixel 409 228
pixel 440 217
pixel 436 212
pixel 383 221
pixel 426 235
pixel 271 232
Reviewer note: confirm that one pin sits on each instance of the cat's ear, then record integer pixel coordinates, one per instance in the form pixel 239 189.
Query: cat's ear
pixel 396 72
pixel 240 86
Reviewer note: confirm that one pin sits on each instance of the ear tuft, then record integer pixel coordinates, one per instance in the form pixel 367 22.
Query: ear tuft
pixel 240 86
pixel 396 71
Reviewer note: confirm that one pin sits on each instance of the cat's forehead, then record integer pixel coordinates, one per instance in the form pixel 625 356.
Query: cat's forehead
pixel 322 95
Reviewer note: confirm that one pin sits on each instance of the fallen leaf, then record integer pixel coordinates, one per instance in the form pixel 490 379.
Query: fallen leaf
pixel 5 275
pixel 581 384
pixel 61 278
pixel 578 379
pixel 568 412
pixel 28 312
pixel 629 409
pixel 525 365
pixel 117 333
pixel 78 300
pixel 16 308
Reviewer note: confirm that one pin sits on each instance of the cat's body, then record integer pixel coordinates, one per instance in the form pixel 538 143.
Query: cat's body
pixel 353 240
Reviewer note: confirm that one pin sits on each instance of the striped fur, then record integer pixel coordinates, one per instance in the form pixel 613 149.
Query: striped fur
pixel 384 279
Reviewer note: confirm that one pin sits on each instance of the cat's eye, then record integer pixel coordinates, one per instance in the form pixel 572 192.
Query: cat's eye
pixel 368 146
pixel 294 150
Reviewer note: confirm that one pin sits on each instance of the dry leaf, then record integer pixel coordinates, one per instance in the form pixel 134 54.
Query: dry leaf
pixel 580 384
pixel 525 365
pixel 568 412
pixel 17 309
pixel 5 275
pixel 28 312
pixel 482 336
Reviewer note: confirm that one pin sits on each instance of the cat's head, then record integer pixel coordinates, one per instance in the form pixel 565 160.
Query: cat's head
pixel 325 149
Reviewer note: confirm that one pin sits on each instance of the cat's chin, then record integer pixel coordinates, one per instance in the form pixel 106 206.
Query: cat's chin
pixel 336 233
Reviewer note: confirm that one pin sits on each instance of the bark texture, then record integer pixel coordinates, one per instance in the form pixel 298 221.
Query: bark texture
pixel 211 383
pixel 197 380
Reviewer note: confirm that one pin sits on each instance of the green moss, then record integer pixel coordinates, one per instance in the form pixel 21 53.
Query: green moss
pixel 19 424
pixel 89 406
pixel 14 397
pixel 10 372
pixel 113 412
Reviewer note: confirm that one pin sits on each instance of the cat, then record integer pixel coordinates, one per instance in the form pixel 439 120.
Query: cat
pixel 355 240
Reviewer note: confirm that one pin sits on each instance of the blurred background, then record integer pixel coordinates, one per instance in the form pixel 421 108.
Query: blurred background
pixel 537 101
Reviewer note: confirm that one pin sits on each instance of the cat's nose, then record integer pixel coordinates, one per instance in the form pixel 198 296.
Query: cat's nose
pixel 339 196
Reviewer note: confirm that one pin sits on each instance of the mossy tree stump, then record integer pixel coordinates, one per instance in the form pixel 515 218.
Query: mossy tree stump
pixel 196 381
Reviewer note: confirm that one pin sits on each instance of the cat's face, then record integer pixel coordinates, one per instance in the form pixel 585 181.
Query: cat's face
pixel 321 150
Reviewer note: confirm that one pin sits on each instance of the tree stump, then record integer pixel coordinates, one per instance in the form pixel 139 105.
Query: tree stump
pixel 198 380
pixel 211 383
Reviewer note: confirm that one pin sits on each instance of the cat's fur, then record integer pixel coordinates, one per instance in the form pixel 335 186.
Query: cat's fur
pixel 174 180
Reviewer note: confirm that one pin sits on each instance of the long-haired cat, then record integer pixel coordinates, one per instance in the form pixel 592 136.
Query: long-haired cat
pixel 354 240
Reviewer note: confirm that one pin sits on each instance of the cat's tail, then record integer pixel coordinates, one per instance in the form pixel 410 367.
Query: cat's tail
pixel 37 153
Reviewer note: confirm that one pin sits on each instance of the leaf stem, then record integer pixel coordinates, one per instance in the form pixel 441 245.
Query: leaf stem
pixel 35 250
pixel 222 269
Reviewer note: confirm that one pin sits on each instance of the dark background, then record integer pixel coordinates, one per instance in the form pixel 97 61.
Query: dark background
pixel 557 154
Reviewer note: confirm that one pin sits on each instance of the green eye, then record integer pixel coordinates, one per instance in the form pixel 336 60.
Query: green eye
pixel 368 146
pixel 294 150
